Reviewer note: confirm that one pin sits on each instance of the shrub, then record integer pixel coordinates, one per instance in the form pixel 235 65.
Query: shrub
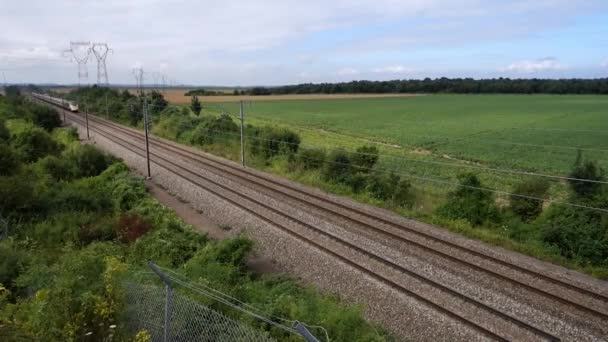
pixel 580 234
pixel 201 136
pixel 4 133
pixel 12 261
pixel 87 194
pixel 34 143
pixel 16 193
pixel 171 245
pixel 470 202
pixel 311 158
pixel 588 170
pixel 383 186
pixel 101 230
pixel 365 158
pixel 338 167
pixel 88 161
pixel 9 160
pixel 269 142
pixel 402 194
pixel 58 168
pixel 44 116
pixel 357 182
pixel 130 227
pixel 528 208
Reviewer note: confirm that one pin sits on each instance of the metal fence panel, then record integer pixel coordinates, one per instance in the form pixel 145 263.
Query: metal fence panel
pixel 188 319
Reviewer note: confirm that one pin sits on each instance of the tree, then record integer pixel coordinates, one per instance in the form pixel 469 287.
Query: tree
pixel 525 207
pixel 585 177
pixel 195 105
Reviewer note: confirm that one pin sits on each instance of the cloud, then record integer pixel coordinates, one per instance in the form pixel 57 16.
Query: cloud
pixel 394 69
pixel 605 63
pixel 214 42
pixel 347 72
pixel 534 66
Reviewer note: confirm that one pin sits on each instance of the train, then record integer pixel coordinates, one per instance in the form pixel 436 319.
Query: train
pixel 63 103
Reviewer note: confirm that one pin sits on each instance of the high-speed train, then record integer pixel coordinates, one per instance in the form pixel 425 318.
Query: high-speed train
pixel 71 106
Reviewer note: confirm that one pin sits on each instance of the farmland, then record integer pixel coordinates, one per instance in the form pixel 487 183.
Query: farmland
pixel 538 133
pixel 505 169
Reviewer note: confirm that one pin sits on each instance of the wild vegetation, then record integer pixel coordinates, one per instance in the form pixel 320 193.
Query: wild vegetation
pixel 454 190
pixel 79 223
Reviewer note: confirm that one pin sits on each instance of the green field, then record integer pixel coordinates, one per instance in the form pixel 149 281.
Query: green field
pixel 433 138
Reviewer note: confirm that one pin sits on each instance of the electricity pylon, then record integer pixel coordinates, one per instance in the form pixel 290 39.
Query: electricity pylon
pixel 100 50
pixel 81 51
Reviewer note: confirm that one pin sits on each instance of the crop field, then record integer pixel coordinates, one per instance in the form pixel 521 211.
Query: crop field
pixel 177 96
pixel 433 138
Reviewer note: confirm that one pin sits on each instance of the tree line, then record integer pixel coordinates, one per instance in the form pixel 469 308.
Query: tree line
pixel 446 85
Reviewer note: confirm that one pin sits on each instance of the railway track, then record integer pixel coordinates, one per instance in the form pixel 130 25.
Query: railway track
pixel 369 221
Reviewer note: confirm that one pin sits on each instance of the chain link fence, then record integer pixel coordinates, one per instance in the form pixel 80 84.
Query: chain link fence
pixel 169 316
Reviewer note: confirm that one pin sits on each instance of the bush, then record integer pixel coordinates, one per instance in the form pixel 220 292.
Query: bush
pixel 4 133
pixel 87 194
pixel 16 193
pixel 470 202
pixel 12 261
pixel 201 136
pixel 9 160
pixel 528 208
pixel 357 182
pixel 338 167
pixel 56 167
pixel 365 158
pixel 269 142
pixel 130 227
pixel 580 234
pixel 34 143
pixel 45 116
pixel 100 230
pixel 383 186
pixel 87 160
pixel 402 195
pixel 312 158
pixel 588 170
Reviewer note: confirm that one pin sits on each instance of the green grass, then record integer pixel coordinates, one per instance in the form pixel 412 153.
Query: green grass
pixel 438 136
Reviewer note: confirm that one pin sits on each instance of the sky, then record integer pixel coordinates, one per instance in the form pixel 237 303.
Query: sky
pixel 243 43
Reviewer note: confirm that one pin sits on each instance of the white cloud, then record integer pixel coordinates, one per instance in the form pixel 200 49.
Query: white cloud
pixel 394 69
pixel 212 42
pixel 605 63
pixel 533 66
pixel 347 72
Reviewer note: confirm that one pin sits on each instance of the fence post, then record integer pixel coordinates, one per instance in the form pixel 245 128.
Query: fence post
pixel 168 297
pixel 301 328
